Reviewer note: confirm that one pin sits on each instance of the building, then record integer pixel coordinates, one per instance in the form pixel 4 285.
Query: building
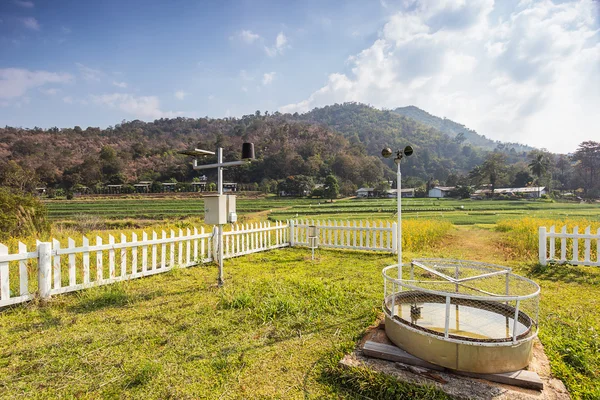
pixel 199 186
pixel 114 189
pixel 439 192
pixel 408 193
pixel 532 192
pixel 365 192
pixel 143 186
pixel 169 186
pixel 229 187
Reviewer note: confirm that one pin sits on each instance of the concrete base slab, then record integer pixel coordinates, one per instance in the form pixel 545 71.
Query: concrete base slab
pixel 458 386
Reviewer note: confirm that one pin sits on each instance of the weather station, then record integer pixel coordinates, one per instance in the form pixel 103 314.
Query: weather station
pixel 220 209
pixel 458 315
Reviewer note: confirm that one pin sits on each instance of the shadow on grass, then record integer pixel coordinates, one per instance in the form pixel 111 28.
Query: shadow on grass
pixel 361 382
pixel 46 321
pixel 566 273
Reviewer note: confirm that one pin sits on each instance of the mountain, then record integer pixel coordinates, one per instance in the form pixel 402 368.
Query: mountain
pixel 137 150
pixel 343 139
pixel 454 130
pixel 437 155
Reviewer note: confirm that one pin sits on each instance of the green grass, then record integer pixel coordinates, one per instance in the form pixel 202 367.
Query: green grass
pixel 458 212
pixel 277 330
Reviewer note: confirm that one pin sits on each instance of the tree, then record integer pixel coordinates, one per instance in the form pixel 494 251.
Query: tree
pixel 297 185
pixel 21 216
pixel 522 179
pixel 588 157
pixel 539 165
pixel 563 170
pixel 14 176
pixel 492 170
pixel 332 189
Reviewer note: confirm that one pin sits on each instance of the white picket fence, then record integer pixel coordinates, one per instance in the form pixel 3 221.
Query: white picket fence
pixel 569 246
pixel 357 235
pixel 76 266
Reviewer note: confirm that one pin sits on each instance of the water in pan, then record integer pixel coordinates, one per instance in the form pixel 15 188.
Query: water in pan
pixel 464 321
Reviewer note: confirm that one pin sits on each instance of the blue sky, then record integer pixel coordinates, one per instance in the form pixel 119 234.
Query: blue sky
pixel 526 71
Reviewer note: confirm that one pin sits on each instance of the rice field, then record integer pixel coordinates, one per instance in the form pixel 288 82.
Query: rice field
pixel 458 212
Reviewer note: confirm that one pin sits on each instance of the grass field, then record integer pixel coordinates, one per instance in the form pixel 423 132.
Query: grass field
pixel 281 323
pixel 276 330
pixel 459 212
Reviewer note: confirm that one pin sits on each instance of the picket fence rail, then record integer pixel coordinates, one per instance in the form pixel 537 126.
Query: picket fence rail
pixel 570 251
pixel 76 266
pixel 56 267
pixel 346 235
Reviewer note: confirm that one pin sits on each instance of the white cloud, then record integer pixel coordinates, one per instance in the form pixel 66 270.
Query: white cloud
pixel 67 100
pixel 180 94
pixel 245 76
pixel 15 82
pixel 248 36
pixel 279 46
pixel 50 91
pixel 268 78
pixel 65 30
pixel 31 23
pixel 89 74
pixel 121 85
pixel 530 76
pixel 244 89
pixel 25 4
pixel 143 107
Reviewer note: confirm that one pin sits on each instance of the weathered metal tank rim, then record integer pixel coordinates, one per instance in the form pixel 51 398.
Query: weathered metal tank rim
pixel 508 312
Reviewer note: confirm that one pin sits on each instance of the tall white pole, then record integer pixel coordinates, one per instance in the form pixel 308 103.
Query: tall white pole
pixel 220 170
pixel 399 228
pixel 220 229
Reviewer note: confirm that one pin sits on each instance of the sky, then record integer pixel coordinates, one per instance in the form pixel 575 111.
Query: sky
pixel 523 71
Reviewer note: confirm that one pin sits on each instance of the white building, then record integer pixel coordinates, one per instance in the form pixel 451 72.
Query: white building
pixel 409 193
pixel 365 192
pixel 440 191
pixel 532 192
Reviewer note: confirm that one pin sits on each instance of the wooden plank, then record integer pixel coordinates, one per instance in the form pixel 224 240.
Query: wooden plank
pixel 86 260
pixel 111 258
pixel 72 266
pixel 393 353
pixel 99 266
pixel 23 277
pixel 134 254
pixel 123 256
pixel 4 273
pixel 57 271
pixel 522 378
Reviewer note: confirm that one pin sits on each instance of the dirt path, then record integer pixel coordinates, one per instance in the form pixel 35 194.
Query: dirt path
pixel 473 243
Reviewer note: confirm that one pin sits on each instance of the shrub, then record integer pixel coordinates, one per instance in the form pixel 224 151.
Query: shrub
pixel 523 234
pixel 21 215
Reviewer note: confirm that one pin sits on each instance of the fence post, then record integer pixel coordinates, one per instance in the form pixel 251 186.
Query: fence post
pixel 542 245
pixel 292 236
pixel 395 238
pixel 44 269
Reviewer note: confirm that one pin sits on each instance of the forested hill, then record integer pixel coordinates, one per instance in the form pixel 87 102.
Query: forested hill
pixel 345 140
pixel 456 130
pixel 436 154
pixel 136 150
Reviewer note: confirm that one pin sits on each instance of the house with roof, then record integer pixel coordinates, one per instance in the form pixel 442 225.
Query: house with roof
pixel 365 192
pixel 531 192
pixel 408 193
pixel 439 192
